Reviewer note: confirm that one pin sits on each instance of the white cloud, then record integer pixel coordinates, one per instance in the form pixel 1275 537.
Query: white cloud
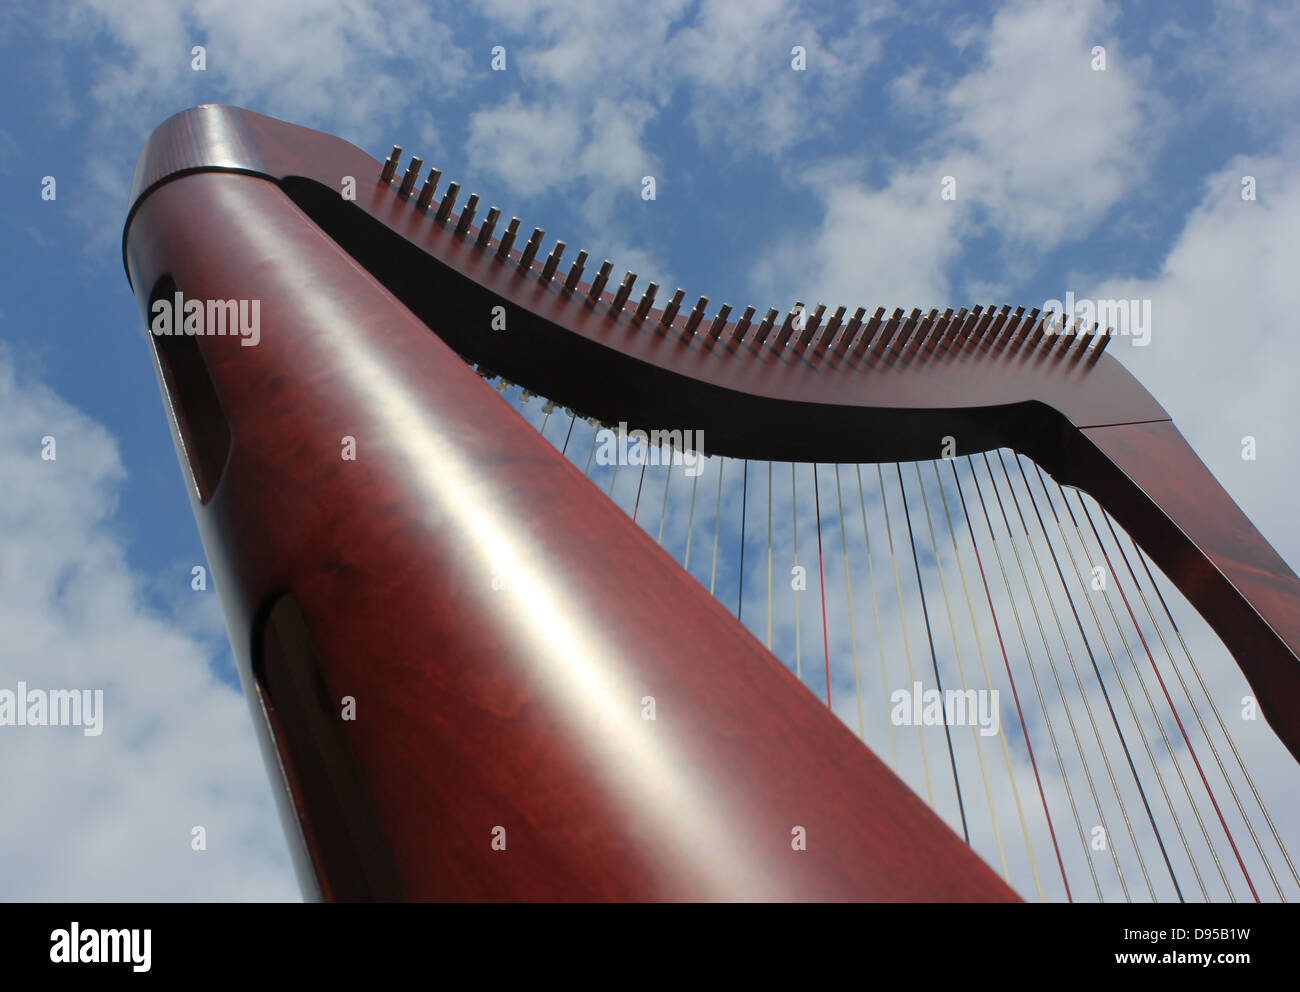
pixel 1222 347
pixel 110 817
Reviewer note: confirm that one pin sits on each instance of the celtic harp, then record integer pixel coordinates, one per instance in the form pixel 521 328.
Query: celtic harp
pixel 481 666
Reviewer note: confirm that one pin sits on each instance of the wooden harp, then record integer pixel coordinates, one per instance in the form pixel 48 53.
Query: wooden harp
pixel 449 636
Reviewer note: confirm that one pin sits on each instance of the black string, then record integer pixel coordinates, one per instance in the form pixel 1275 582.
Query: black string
pixel 568 435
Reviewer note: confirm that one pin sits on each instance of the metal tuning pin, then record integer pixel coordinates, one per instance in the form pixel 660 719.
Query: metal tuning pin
pixel 412 174
pixel 467 215
pixel 426 191
pixel 507 240
pixel 937 331
pixel 1022 332
pixel 828 332
pixel 575 272
pixel 697 314
pixel 792 318
pixel 719 322
pixel 448 201
pixel 670 311
pixel 742 325
pixel 851 329
pixel 887 333
pixel 906 331
pixel 1105 337
pixel 487 227
pixel 921 333
pixel 647 301
pixel 1085 341
pixel 765 327
pixel 530 249
pixel 1049 320
pixel 552 262
pixel 624 291
pixel 390 167
pixel 1009 328
pixel 810 328
pixel 598 284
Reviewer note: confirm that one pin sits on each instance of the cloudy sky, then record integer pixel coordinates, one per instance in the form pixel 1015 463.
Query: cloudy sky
pixel 772 185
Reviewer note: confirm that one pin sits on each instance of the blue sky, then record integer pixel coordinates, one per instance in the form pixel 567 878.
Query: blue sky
pixel 772 185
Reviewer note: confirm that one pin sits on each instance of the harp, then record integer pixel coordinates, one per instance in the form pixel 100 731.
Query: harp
pixel 480 670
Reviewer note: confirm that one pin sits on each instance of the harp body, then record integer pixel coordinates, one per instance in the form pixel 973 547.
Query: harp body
pixel 497 623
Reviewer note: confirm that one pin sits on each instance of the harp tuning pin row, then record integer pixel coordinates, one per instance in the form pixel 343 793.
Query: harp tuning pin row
pixel 448 201
pixel 390 166
pixel 426 192
pixel 486 228
pixel 467 215
pixel 765 327
pixel 408 180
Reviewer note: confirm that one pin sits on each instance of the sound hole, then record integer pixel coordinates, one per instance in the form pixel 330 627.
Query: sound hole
pixel 204 430
pixel 324 776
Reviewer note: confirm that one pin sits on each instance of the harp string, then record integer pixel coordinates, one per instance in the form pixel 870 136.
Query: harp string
pixel 744 506
pixel 988 685
pixel 934 657
pixel 821 585
pixel 848 599
pixel 1085 541
pixel 902 619
pixel 875 610
pixel 1015 695
pixel 961 668
pixel 1078 681
pixel 1186 740
pixel 1151 709
pixel 1024 641
pixel 794 529
pixel 1208 698
pixel 1081 584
